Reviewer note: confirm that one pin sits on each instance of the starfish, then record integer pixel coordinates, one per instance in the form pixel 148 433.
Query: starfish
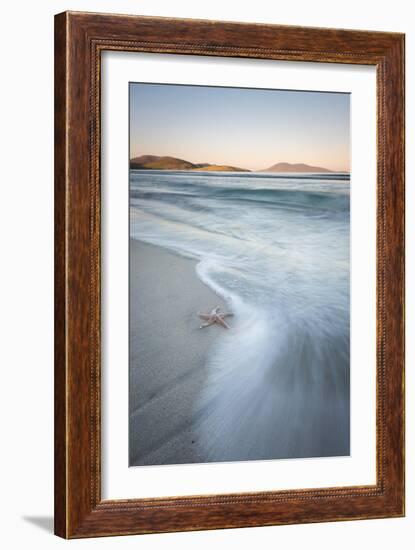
pixel 215 317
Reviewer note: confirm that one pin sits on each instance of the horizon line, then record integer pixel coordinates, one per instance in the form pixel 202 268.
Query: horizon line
pixel 347 171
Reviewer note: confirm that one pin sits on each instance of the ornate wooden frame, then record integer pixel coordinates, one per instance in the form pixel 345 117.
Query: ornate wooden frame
pixel 79 40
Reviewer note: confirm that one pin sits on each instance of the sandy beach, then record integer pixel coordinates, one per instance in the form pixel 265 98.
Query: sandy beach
pixel 168 354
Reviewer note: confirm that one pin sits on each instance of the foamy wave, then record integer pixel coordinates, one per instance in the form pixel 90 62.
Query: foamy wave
pixel 278 381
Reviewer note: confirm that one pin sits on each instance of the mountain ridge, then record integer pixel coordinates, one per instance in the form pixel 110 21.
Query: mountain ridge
pixel 282 167
pixel 155 162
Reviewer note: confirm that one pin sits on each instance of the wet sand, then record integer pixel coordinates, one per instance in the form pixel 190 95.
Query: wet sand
pixel 185 407
pixel 168 353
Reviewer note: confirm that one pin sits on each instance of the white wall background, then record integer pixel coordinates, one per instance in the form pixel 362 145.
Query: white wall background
pixel 26 272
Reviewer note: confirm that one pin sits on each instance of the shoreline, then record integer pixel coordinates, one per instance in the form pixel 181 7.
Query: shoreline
pixel 212 395
pixel 167 353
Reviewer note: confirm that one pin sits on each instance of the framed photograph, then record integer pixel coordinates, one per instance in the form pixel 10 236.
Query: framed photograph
pixel 229 275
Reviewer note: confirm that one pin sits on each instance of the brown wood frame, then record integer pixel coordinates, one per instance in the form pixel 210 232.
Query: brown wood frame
pixel 79 40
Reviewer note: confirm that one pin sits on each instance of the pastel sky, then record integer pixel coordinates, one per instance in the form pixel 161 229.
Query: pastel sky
pixel 244 127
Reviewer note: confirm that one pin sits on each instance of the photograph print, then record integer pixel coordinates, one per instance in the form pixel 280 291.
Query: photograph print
pixel 239 274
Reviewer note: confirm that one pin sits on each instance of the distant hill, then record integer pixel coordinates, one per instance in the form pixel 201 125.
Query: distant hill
pixel 287 167
pixel 218 168
pixel 153 162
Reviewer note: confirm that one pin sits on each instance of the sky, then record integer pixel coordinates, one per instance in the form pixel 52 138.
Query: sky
pixel 244 127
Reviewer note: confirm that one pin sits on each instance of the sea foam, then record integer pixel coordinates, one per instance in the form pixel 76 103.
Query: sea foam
pixel 276 249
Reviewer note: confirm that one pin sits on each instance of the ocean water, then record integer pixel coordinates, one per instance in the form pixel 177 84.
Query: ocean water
pixel 276 249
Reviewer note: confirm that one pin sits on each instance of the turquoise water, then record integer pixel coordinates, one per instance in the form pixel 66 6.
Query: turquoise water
pixel 276 249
